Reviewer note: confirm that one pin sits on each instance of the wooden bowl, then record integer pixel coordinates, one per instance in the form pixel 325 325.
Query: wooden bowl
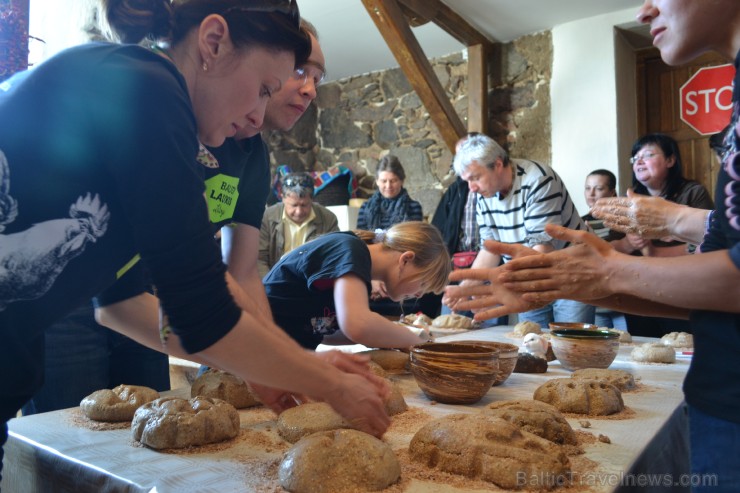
pixel 507 356
pixel 584 348
pixel 454 373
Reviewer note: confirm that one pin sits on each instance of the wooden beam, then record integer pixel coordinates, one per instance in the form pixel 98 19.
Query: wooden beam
pixel 392 25
pixel 478 88
pixel 447 19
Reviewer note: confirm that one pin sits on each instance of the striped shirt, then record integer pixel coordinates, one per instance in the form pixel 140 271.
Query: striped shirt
pixel 537 197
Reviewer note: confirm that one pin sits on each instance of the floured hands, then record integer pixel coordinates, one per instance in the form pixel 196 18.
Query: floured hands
pixel 641 215
pixel 579 272
pixel 482 292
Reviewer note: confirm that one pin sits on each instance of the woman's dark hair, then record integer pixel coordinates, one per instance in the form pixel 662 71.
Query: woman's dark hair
pixel 269 24
pixel 675 178
pixel 611 180
pixel 391 163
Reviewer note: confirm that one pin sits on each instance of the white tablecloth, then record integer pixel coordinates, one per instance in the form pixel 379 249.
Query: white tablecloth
pixel 48 452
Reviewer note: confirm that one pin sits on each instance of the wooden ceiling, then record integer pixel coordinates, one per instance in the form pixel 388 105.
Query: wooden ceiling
pixel 394 19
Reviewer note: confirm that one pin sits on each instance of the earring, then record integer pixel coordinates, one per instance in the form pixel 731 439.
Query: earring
pixel 205 66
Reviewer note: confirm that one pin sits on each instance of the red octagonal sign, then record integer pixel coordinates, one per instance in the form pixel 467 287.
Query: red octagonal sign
pixel 706 99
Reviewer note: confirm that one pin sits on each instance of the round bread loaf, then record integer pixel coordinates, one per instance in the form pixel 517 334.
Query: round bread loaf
pixel 678 339
pixel 527 327
pixel 376 369
pixel 118 404
pixel 417 319
pixel 535 417
pixel 338 461
pixel 172 422
pixel 297 422
pixel 225 386
pixel 529 363
pixel 572 395
pixel 653 352
pixel 391 360
pixel 395 404
pixel 453 321
pixel 621 379
pixel 485 447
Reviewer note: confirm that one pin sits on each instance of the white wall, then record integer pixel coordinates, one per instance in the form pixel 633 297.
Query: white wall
pixel 584 99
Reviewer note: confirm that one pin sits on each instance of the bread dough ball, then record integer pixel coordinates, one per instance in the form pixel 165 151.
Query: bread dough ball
pixel 390 360
pixel 453 321
pixel 172 422
pixel 527 327
pixel 118 404
pixel 572 395
pixel 485 447
pixel 678 339
pixel 395 404
pixel 224 386
pixel 297 422
pixel 338 461
pixel 535 417
pixel 529 363
pixel 417 319
pixel 377 370
pixel 621 379
pixel 624 336
pixel 653 352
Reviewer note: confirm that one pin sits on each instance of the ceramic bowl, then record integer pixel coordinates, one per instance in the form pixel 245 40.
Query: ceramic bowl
pixel 454 373
pixel 584 348
pixel 507 356
pixel 572 325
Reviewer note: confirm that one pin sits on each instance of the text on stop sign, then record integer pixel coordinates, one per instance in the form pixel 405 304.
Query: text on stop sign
pixel 708 100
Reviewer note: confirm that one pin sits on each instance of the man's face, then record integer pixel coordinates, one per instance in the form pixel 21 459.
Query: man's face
pixel 288 104
pixel 484 180
pixel 297 208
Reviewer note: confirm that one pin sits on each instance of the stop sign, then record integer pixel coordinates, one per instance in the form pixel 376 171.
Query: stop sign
pixel 706 99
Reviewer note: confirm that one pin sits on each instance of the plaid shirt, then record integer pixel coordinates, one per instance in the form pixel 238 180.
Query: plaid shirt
pixel 470 238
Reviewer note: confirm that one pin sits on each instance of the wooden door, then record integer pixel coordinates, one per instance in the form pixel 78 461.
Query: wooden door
pixel 658 110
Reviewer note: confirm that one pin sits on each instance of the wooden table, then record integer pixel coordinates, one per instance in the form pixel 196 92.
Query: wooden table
pixel 49 452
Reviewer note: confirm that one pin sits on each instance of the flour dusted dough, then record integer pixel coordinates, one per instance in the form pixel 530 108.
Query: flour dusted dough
pixel 453 321
pixel 118 404
pixel 297 422
pixel 489 448
pixel 572 395
pixel 395 404
pixel 390 360
pixel 653 352
pixel 621 379
pixel 338 461
pixel 678 339
pixel 527 327
pixel 535 417
pixel 224 386
pixel 172 422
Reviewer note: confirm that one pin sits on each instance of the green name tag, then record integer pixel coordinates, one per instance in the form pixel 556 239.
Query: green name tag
pixel 221 195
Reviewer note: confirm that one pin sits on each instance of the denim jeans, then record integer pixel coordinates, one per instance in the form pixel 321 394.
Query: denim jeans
pixel 560 311
pixel 82 357
pixel 609 318
pixel 715 453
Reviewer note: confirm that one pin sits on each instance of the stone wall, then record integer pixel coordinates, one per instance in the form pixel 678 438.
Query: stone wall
pixel 357 120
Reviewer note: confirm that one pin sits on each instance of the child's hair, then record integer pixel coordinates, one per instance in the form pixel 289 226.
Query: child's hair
pixel 430 253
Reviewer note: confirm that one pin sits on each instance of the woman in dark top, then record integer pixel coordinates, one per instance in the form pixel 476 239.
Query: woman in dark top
pixel 391 203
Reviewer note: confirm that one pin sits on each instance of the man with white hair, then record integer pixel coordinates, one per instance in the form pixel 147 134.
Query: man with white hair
pixel 518 197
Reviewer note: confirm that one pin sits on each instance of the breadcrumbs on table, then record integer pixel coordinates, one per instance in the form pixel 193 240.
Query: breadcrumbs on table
pixel 626 413
pixel 585 423
pixel 604 439
pixel 76 417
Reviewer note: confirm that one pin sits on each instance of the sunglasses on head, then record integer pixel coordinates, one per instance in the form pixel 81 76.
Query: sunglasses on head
pixel 298 181
pixel 287 7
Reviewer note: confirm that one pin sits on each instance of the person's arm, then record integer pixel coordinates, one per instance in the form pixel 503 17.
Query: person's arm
pixel 592 270
pixel 242 352
pixel 652 217
pixel 263 252
pixel 364 326
pixel 238 246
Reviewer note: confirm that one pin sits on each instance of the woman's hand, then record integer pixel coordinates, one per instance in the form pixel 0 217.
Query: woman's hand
pixel 378 290
pixel 579 272
pixel 482 292
pixel 641 215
